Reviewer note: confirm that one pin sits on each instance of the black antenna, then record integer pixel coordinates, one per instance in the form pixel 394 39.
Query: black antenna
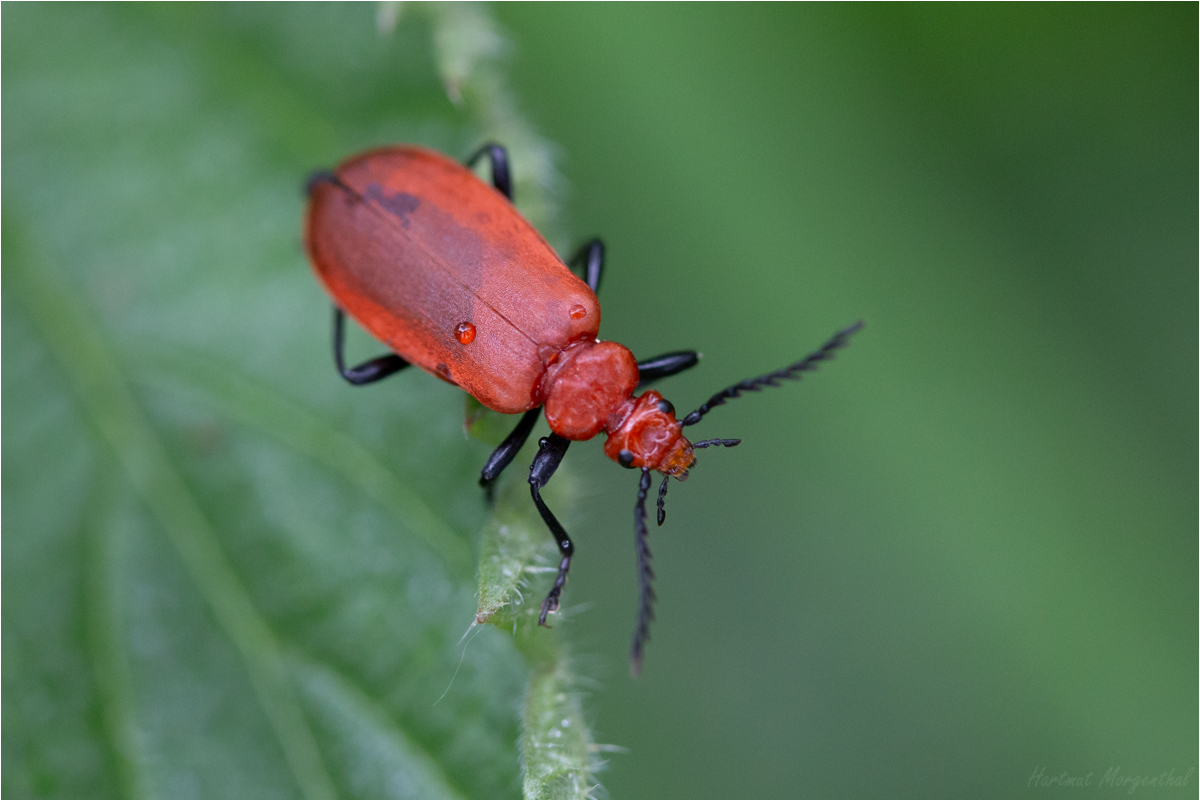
pixel 662 500
pixel 646 595
pixel 793 372
pixel 662 491
pixel 724 443
pixel 645 576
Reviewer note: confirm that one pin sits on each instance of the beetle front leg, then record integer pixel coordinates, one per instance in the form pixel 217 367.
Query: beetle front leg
pixel 369 371
pixel 668 364
pixel 551 450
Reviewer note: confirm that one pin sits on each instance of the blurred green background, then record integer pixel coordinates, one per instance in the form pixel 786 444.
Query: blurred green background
pixel 961 556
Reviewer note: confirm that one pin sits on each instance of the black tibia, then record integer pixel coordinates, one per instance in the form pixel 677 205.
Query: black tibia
pixel 550 453
pixel 646 595
pixel 498 156
pixel 666 365
pixel 507 450
pixel 368 372
pixel 591 258
pixel 792 371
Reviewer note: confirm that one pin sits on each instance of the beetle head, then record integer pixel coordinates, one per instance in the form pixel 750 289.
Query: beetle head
pixel 643 432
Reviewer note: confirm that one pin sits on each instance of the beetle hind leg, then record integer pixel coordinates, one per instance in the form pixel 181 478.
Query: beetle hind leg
pixel 369 371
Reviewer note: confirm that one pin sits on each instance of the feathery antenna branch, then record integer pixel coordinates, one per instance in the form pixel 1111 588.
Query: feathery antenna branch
pixel 645 575
pixel 792 372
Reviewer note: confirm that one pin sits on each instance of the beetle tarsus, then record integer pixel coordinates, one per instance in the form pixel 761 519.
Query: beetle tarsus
pixel 552 598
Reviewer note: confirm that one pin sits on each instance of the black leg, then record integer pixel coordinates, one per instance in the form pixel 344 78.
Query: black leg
pixel 504 454
pixel 591 258
pixel 323 177
pixel 551 450
pixel 367 372
pixel 666 365
pixel 645 575
pixel 793 372
pixel 498 156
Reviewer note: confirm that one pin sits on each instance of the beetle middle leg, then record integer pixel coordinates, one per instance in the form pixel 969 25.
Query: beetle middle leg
pixel 498 156
pixel 550 453
pixel 369 371
pixel 591 258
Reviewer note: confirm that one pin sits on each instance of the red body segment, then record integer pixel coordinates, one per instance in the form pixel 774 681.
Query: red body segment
pixel 440 267
pixel 646 428
pixel 586 385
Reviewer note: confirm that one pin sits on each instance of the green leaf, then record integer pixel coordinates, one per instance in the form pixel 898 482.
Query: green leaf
pixel 226 572
pixel 556 745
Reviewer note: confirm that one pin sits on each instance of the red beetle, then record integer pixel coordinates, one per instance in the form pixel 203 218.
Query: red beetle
pixel 442 269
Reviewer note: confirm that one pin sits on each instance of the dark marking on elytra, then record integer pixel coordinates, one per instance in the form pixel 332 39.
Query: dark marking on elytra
pixel 443 370
pixel 401 204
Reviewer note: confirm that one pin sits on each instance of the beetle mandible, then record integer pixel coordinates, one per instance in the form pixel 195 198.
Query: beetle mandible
pixel 442 269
